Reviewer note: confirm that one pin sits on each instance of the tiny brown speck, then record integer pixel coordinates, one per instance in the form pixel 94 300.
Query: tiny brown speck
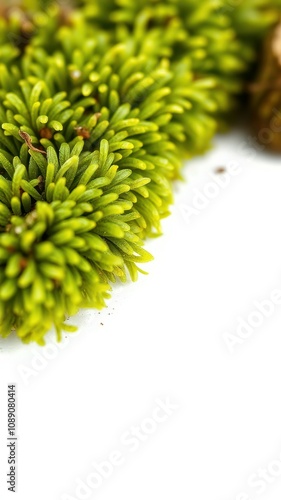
pixel 46 133
pixel 220 170
pixel 83 132
pixel 23 264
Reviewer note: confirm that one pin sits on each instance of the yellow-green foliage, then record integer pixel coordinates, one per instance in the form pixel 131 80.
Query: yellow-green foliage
pixel 100 102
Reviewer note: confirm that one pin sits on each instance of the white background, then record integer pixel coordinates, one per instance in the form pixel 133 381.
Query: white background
pixel 162 338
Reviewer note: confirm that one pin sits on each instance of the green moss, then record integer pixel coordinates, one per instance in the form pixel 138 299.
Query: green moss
pixel 100 102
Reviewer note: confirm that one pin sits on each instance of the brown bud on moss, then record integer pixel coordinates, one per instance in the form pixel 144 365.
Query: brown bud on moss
pixel 46 133
pixel 83 132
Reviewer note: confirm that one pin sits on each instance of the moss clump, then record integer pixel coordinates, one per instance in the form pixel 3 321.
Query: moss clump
pixel 100 102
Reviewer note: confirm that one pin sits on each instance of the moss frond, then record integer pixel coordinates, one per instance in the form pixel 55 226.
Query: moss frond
pixel 100 102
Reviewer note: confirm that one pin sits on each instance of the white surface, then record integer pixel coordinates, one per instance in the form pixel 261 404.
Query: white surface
pixel 163 338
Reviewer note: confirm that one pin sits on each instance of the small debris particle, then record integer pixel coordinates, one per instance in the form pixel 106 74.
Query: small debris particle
pixel 76 74
pixel 23 264
pixel 26 137
pixel 41 184
pixel 220 170
pixel 83 132
pixel 46 133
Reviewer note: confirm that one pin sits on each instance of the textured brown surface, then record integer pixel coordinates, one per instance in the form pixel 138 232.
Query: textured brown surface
pixel 266 94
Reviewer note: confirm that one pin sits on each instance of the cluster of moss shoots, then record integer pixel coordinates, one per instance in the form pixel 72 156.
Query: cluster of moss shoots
pixel 100 104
